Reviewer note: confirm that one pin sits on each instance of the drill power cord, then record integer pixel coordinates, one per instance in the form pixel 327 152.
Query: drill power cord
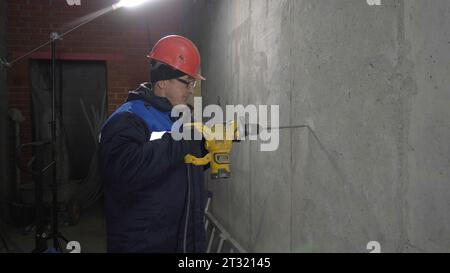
pixel 188 166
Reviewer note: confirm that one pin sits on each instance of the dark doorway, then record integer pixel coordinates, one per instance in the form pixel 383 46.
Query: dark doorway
pixel 80 101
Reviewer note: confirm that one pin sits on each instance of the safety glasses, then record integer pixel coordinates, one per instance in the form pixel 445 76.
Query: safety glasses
pixel 189 84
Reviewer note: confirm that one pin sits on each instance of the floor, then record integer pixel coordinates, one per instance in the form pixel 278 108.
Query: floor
pixel 90 232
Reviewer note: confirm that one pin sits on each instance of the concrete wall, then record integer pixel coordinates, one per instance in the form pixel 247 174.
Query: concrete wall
pixel 3 119
pixel 372 82
pixel 427 30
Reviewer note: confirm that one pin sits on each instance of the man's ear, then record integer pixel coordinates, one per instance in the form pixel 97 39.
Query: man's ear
pixel 159 84
pixel 162 84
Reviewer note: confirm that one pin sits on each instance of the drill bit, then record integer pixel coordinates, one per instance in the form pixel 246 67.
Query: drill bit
pixel 251 128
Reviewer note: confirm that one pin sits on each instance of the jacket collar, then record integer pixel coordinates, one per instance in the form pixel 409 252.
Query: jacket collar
pixel 145 92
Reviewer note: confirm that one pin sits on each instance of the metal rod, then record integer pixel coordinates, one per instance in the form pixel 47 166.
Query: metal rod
pixel 288 127
pixel 211 239
pixel 100 13
pixel 53 128
pixel 48 166
pixel 223 231
pixel 6 63
pixel 206 224
pixel 222 239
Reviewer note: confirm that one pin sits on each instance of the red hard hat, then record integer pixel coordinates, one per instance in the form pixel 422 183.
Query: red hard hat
pixel 179 53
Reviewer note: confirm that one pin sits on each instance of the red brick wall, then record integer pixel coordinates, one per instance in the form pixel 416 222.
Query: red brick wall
pixel 122 38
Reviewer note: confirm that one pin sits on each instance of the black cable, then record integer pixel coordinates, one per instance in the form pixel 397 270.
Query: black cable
pixel 194 222
pixel 5 244
pixel 188 166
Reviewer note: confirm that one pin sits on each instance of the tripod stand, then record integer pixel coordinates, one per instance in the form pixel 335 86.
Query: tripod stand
pixel 41 235
pixel 55 235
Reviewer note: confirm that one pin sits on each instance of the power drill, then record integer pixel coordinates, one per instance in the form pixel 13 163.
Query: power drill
pixel 219 141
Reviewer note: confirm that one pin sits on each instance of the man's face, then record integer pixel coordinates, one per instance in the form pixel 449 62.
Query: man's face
pixel 179 91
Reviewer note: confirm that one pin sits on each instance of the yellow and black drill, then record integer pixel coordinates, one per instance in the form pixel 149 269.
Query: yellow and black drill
pixel 219 141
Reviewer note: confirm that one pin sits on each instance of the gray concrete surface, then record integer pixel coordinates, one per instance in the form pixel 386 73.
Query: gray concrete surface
pixel 373 83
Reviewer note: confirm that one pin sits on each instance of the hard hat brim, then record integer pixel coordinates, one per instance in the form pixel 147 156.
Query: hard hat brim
pixel 197 76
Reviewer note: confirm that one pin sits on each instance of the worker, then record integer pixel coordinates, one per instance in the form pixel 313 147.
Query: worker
pixel 149 204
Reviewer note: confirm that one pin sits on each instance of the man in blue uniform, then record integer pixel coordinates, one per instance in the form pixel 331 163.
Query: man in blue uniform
pixel 154 202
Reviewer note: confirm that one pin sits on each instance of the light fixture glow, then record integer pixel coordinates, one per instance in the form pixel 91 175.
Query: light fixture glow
pixel 129 3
